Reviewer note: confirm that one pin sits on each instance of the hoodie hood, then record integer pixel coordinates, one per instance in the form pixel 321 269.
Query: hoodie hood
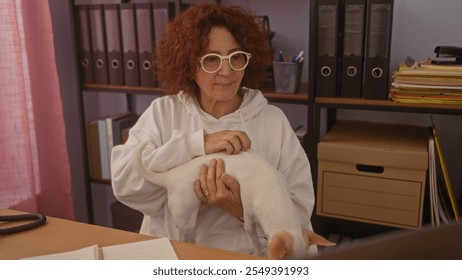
pixel 253 103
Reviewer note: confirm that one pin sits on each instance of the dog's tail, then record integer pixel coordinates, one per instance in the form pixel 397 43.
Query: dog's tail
pixel 312 238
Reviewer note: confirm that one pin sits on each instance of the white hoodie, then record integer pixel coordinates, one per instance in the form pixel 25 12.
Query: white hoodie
pixel 175 126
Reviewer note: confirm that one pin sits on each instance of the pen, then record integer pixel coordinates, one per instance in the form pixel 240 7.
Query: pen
pixel 299 56
pixel 280 57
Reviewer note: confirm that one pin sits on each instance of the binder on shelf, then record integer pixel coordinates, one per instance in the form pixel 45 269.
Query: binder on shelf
pixel 84 48
pixel 125 132
pixel 144 24
pixel 163 13
pixel 94 158
pixel 103 149
pixel 114 126
pixel 327 49
pixel 98 44
pixel 129 44
pixel 354 12
pixel 123 128
pixel 114 45
pixel 377 53
pixel 103 134
pixel 119 124
pixel 113 137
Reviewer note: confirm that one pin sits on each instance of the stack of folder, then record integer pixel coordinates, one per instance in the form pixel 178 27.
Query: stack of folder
pixel 424 82
pixel 115 42
pixel 351 53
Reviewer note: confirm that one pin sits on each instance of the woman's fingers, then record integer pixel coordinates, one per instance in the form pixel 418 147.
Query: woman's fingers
pixel 199 192
pixel 231 141
pixel 211 179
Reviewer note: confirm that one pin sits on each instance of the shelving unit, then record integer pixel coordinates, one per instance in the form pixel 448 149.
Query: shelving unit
pixel 89 90
pixel 317 106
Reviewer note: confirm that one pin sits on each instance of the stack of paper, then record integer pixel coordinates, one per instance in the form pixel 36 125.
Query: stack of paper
pixel 424 82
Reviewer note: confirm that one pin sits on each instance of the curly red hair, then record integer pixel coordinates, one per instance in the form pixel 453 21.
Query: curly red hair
pixel 185 40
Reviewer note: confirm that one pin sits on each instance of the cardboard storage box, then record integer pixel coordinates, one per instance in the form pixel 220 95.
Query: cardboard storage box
pixel 373 173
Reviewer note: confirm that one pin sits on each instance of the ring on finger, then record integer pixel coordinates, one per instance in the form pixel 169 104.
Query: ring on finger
pixel 206 192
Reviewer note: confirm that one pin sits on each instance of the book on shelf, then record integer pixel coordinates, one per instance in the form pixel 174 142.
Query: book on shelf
pixel 103 134
pixel 94 154
pixel 104 149
pixel 154 249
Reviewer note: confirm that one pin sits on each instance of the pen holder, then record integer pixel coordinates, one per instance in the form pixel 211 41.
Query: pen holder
pixel 287 76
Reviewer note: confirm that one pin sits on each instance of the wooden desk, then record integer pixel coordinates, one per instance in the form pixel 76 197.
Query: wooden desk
pixel 59 235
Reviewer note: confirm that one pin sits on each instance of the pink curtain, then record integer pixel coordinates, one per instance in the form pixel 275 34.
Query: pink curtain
pixel 34 165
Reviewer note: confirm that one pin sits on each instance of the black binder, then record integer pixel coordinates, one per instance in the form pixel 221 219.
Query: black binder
pixel 144 23
pixel 129 44
pixel 84 46
pixel 377 54
pixel 354 19
pixel 327 49
pixel 114 45
pixel 98 44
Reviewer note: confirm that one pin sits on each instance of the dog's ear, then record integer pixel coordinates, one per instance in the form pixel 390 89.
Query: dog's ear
pixel 312 238
pixel 280 246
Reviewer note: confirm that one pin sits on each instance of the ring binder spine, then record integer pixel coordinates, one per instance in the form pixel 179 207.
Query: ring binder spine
pixel 144 24
pixel 129 44
pixel 98 44
pixel 327 36
pixel 377 53
pixel 353 48
pixel 84 45
pixel 114 45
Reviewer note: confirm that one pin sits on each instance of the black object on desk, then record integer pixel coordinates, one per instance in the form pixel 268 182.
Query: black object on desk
pixel 38 220
pixel 445 52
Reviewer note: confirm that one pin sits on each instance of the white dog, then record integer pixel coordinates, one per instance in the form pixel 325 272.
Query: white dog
pixel 264 194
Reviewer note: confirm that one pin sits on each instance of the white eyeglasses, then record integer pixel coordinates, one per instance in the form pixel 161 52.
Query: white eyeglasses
pixel 212 62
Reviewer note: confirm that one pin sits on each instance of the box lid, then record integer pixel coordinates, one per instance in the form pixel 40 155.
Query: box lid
pixel 392 145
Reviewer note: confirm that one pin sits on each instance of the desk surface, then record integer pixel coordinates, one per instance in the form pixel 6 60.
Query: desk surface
pixel 59 235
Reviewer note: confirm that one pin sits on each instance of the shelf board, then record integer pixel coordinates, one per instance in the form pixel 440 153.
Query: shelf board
pixel 123 89
pixel 268 91
pixel 387 105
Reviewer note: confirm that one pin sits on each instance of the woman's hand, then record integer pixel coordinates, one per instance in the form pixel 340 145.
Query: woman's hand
pixel 216 187
pixel 231 141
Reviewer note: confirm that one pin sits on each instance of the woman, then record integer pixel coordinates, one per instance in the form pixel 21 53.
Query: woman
pixel 208 58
